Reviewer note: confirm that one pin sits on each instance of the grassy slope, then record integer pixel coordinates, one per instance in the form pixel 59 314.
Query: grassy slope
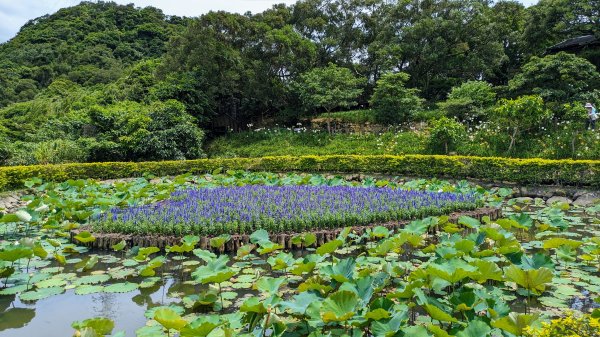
pixel 284 142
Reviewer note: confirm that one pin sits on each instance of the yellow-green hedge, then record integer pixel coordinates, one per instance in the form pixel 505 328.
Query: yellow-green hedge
pixel 522 171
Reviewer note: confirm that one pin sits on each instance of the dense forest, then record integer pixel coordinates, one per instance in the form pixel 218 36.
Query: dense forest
pixel 102 81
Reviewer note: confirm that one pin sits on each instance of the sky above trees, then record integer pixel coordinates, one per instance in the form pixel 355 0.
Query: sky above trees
pixel 14 14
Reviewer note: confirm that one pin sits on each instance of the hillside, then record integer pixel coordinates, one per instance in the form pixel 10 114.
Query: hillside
pixel 106 82
pixel 88 44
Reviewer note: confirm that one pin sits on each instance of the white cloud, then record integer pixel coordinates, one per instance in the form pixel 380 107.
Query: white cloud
pixel 14 14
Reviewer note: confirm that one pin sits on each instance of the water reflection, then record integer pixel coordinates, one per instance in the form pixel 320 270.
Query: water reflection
pixel 52 317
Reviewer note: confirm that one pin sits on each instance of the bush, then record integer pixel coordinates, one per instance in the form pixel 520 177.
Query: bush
pixel 445 135
pixel 59 151
pixel 521 115
pixel 522 171
pixel 470 101
pixel 568 326
pixel 392 101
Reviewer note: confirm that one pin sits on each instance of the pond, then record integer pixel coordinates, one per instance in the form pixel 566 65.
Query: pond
pixel 431 273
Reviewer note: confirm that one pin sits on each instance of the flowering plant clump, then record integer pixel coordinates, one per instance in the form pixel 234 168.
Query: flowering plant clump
pixel 214 211
pixel 569 326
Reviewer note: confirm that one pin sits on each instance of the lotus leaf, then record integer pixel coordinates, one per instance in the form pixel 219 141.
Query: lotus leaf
pixel 339 306
pixel 515 323
pixel 169 319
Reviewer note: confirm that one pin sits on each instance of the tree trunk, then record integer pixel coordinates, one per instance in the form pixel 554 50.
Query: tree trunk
pixel 512 139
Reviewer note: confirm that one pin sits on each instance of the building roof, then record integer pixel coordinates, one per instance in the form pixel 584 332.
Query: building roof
pixel 575 43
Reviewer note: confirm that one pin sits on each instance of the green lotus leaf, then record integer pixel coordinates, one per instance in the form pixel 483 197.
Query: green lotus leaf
pixel 377 314
pixel 88 263
pixel 339 306
pixel 102 326
pixel 92 279
pixel 39 251
pixel 190 240
pixel 260 237
pixel 149 282
pixel 150 312
pixel 124 287
pixel 534 280
pixel 150 331
pixel 469 222
pixel 515 323
pixel 281 261
pixel 169 319
pixel 437 331
pixel 15 289
pixel 144 253
pixel 41 294
pixel 200 327
pixel 566 253
pixel 379 232
pixel 204 255
pixel 557 242
pixel 268 247
pixel 452 271
pixel 476 328
pixel 245 251
pixel 270 285
pixel 329 247
pixel 389 328
pixel 303 268
pixel 53 282
pixel 536 261
pixel 121 273
pixel 87 289
pixel 438 314
pixel 553 302
pixel 486 270
pixel 8 218
pixel 13 253
pixel 219 241
pixel 300 302
pixel 215 271
pixel 253 305
pixel 119 246
pixel 342 271
pixel 84 237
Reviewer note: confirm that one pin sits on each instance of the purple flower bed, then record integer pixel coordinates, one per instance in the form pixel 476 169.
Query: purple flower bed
pixel 238 210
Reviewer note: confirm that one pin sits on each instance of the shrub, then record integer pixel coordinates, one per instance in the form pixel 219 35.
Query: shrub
pixel 521 115
pixel 445 135
pixel 470 101
pixel 59 151
pixel 568 326
pixel 522 171
pixel 392 101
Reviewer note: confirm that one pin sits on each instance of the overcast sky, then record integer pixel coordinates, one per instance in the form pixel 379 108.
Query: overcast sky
pixel 15 13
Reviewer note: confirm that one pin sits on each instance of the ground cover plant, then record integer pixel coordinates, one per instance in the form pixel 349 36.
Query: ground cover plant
pixel 432 278
pixel 243 210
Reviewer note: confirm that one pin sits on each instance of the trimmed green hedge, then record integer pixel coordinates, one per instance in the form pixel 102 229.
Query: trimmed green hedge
pixel 522 171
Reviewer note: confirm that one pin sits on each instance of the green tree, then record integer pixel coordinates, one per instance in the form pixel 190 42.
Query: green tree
pixel 552 21
pixel 520 116
pixel 470 101
pixel 556 78
pixel 392 101
pixel 328 88
pixel 446 135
